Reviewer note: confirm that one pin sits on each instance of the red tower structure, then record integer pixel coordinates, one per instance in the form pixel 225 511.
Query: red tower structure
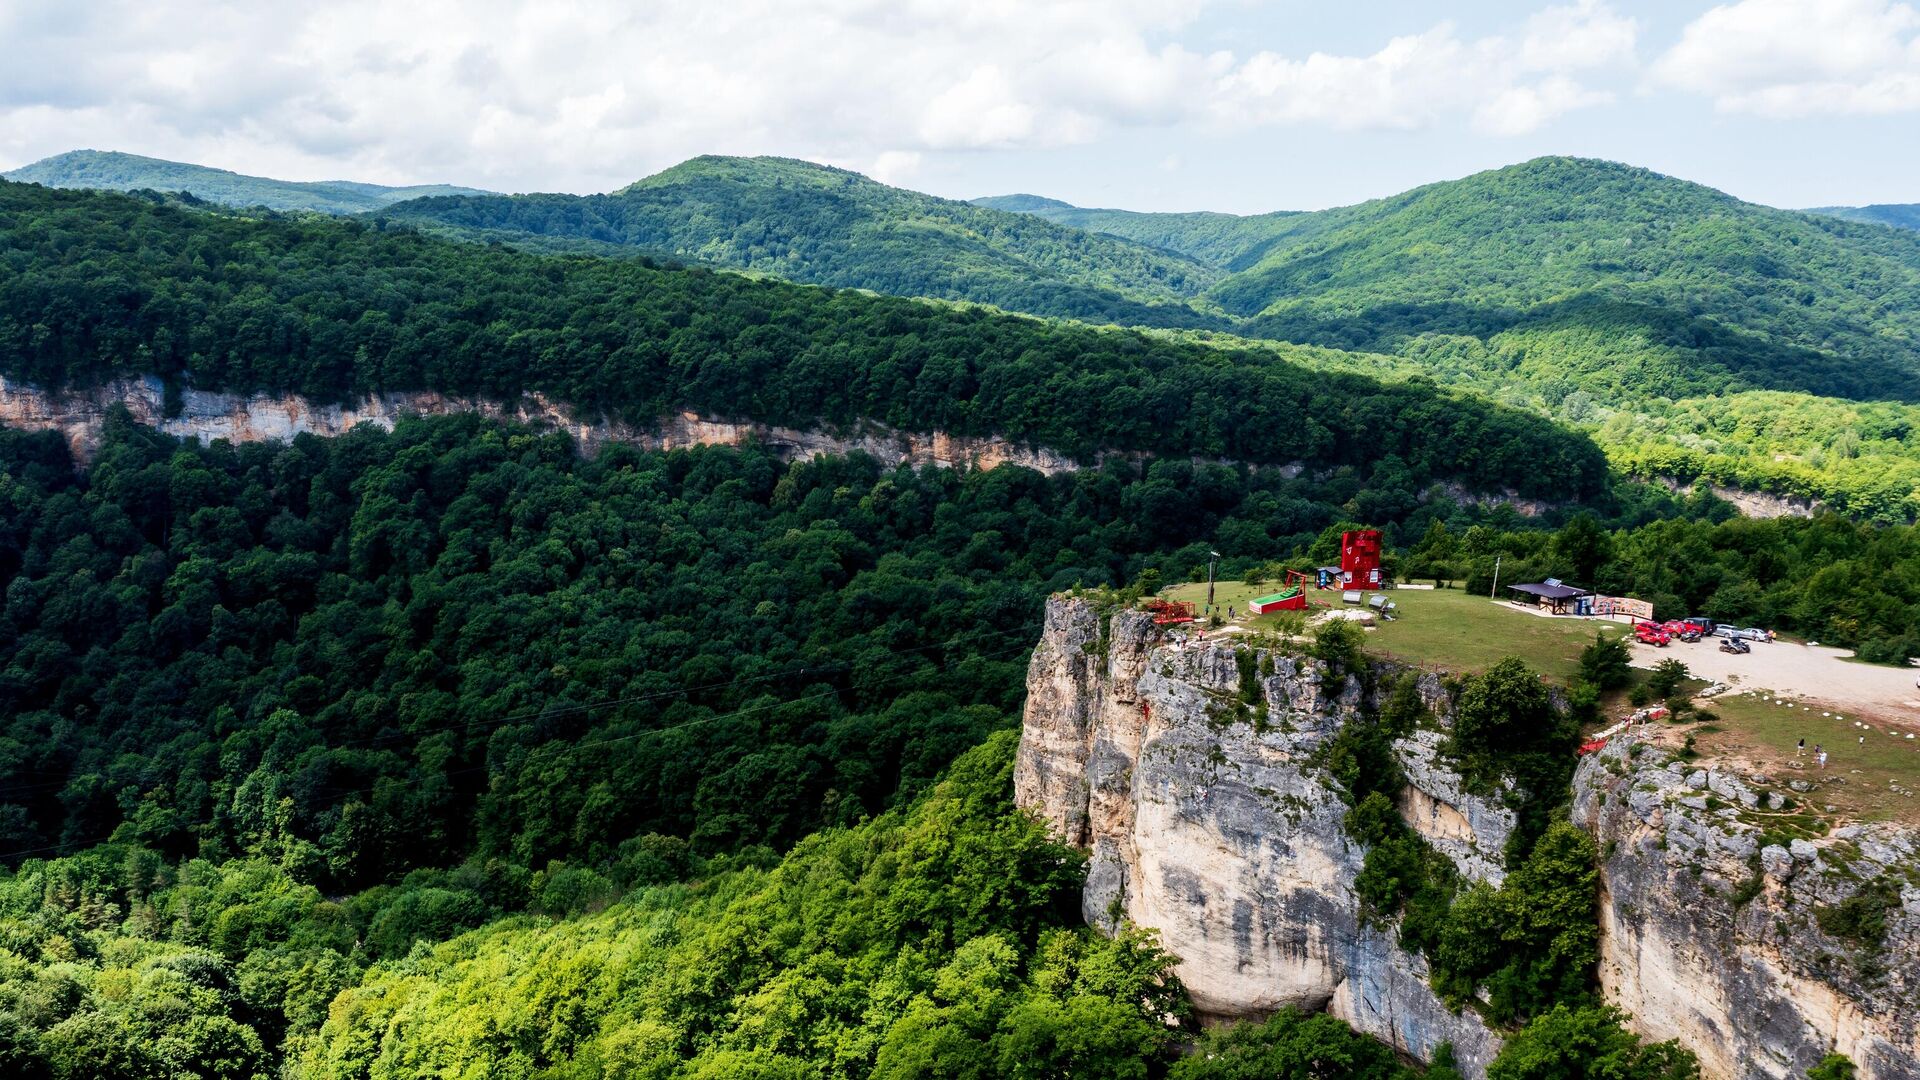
pixel 1360 559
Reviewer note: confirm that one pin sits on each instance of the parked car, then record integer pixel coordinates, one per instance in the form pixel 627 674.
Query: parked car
pixel 1727 630
pixel 1651 634
pixel 1705 624
pixel 1754 633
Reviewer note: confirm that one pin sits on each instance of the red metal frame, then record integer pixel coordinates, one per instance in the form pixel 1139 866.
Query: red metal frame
pixel 1166 611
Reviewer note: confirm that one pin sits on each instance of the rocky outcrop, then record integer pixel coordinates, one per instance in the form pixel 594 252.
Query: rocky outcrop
pixel 1710 926
pixel 1753 504
pixel 206 415
pixel 1210 820
pixel 1470 829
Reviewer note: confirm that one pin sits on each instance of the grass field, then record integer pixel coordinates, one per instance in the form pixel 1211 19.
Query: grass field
pixel 1753 731
pixel 1759 731
pixel 1441 628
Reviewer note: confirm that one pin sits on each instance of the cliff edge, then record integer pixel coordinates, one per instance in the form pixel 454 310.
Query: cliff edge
pixel 1728 924
pixel 1209 820
pixel 1192 776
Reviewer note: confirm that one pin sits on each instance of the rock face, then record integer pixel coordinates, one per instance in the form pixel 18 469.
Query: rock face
pixel 1709 924
pixel 1469 829
pixel 1753 504
pixel 205 415
pixel 1215 826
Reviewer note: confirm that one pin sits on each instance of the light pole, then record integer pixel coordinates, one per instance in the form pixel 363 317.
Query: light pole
pixel 1494 593
pixel 1212 557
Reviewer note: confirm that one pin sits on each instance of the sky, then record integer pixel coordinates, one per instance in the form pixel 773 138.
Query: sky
pixel 1235 105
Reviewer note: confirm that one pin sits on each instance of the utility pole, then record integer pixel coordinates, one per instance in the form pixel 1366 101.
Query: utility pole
pixel 1494 593
pixel 1212 557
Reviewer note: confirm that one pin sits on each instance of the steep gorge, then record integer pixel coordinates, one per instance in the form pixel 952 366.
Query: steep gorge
pixel 1214 823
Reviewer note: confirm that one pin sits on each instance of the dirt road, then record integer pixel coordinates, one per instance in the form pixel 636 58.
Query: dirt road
pixel 1811 672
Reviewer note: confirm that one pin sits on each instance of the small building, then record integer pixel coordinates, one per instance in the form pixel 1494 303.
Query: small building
pixel 1287 600
pixel 1555 597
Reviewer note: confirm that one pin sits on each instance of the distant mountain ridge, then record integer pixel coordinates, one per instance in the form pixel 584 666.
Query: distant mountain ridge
pixel 1899 215
pixel 113 171
pixel 1696 334
pixel 1226 241
pixel 827 226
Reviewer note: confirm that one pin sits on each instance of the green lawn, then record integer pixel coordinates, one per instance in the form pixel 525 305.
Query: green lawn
pixel 1761 735
pixel 1442 628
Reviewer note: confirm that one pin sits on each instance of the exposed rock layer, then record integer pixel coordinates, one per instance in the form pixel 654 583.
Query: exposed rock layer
pixel 1754 504
pixel 1710 933
pixel 205 415
pixel 1222 832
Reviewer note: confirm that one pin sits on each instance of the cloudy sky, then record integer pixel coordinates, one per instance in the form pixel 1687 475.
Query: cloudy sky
pixel 1240 105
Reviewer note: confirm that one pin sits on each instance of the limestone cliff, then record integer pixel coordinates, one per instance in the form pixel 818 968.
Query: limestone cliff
pixel 1709 916
pixel 1214 825
pixel 1210 821
pixel 207 415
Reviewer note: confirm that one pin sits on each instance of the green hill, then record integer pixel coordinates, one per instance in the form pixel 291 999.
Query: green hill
pixel 1226 241
pixel 827 226
pixel 1785 300
pixel 110 171
pixel 94 285
pixel 1899 215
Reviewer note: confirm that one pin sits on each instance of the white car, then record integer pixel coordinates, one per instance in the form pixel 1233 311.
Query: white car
pixel 1753 633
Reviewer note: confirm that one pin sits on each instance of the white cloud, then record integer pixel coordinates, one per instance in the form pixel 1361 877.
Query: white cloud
pixel 588 94
pixel 1506 87
pixel 1577 37
pixel 1790 58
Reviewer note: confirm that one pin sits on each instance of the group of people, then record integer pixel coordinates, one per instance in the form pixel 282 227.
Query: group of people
pixel 1819 754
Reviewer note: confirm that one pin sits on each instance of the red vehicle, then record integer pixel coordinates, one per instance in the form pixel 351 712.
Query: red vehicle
pixel 1684 629
pixel 1651 634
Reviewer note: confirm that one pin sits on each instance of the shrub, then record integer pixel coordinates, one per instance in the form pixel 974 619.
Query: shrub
pixel 1606 663
pixel 1666 678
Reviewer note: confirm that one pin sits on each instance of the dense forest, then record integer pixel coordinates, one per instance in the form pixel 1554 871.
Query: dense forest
pixel 1228 242
pixel 1686 329
pixel 296 709
pixel 94 285
pixel 1899 215
pixel 827 226
pixel 449 749
pixel 109 171
pixel 1692 335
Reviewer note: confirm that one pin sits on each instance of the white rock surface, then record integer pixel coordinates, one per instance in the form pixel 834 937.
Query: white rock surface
pixel 1755 988
pixel 1221 833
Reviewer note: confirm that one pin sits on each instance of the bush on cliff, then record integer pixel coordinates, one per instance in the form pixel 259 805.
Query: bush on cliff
pixel 1588 1044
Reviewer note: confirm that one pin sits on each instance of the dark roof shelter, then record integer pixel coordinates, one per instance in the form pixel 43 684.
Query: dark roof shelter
pixel 1552 594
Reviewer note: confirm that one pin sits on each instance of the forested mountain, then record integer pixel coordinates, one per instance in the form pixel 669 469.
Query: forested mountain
pixel 827 226
pixel 1228 242
pixel 1693 334
pixel 95 285
pixel 1900 215
pixel 447 748
pixel 109 171
pixel 1780 299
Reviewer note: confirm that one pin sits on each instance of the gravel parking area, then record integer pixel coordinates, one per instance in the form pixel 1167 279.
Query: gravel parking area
pixel 1814 673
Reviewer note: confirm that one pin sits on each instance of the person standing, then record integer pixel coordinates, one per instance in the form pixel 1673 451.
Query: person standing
pixel 1820 755
pixel 1800 751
